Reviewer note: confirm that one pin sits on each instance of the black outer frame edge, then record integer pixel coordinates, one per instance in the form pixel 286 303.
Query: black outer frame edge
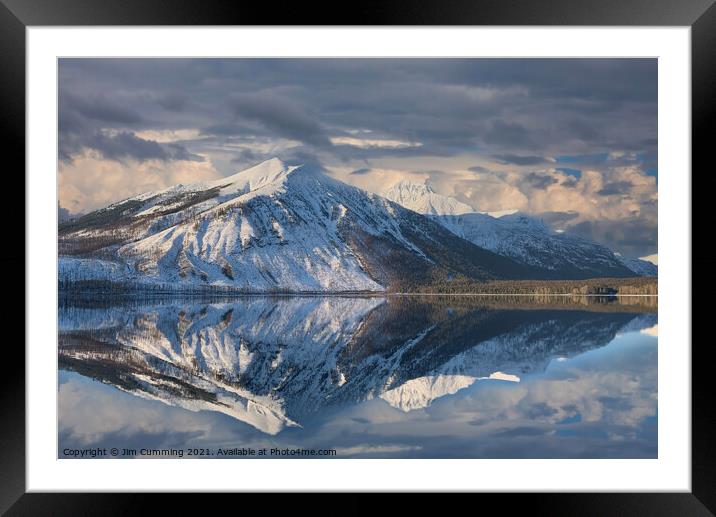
pixel 574 504
pixel 12 136
pixel 385 12
pixel 699 13
pixel 703 113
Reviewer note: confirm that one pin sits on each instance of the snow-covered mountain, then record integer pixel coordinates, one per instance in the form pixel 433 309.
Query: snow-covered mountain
pixel 525 239
pixel 271 362
pixel 421 198
pixel 530 241
pixel 275 227
pixel 266 228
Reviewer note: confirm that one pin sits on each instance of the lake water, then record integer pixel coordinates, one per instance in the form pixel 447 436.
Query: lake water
pixel 397 377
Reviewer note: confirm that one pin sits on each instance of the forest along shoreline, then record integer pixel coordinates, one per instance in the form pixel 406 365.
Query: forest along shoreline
pixel 641 286
pixel 600 295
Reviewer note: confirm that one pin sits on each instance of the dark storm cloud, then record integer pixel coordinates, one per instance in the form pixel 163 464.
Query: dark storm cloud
pixel 447 105
pixel 247 155
pixel 602 78
pixel 173 101
pixel 84 123
pixel 124 145
pixel 519 160
pixel 229 129
pixel 282 116
pixel 300 156
pixel 583 130
pixel 362 171
pixel 181 153
pixel 97 108
pixel 615 188
pixel 507 133
pixel 478 168
pixel 345 152
pixel 450 106
pixel 539 181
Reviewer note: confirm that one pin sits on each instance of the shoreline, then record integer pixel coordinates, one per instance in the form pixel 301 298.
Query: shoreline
pixel 328 294
pixel 590 303
pixel 592 287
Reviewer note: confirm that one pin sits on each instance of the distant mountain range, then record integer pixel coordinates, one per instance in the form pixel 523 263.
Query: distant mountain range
pixel 277 227
pixel 528 240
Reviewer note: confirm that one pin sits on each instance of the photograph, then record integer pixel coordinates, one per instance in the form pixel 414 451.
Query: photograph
pixel 344 257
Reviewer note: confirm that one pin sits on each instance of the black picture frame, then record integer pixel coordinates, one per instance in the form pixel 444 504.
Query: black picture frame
pixel 17 15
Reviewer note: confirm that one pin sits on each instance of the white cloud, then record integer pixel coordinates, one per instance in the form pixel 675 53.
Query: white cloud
pixel 89 183
pixel 500 190
pixel 166 136
pixel 366 143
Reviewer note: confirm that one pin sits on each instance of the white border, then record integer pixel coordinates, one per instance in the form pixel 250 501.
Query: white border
pixel 670 472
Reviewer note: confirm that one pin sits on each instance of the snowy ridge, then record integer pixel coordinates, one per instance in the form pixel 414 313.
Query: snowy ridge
pixel 526 239
pixel 266 173
pixel 530 241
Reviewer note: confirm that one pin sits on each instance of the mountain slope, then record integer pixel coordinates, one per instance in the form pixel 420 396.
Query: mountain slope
pixel 271 227
pixel 530 241
pixel 525 239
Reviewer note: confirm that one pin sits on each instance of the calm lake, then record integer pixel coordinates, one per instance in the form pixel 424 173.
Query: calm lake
pixel 396 377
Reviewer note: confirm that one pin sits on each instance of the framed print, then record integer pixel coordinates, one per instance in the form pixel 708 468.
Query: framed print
pixel 422 252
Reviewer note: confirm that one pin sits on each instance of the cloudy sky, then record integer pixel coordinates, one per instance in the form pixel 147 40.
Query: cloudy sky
pixel 571 140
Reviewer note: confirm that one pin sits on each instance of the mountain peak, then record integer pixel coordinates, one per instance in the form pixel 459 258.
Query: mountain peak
pixel 421 198
pixel 269 173
pixel 267 170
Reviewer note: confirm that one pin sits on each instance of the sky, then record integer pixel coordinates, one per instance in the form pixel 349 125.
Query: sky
pixel 573 141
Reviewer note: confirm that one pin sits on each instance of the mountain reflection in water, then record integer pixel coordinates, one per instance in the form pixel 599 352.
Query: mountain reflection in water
pixel 280 364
